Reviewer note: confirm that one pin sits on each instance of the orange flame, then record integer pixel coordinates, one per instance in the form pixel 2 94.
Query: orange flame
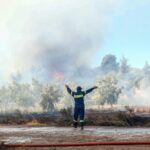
pixel 58 76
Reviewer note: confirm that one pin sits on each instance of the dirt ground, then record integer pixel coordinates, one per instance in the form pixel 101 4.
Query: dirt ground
pixel 89 148
pixel 49 135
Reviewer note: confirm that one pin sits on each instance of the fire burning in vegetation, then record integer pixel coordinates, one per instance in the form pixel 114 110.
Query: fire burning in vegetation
pixel 55 42
pixel 58 76
pixel 114 88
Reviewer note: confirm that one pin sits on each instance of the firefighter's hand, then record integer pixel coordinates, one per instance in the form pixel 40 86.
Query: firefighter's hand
pixel 66 85
pixel 95 87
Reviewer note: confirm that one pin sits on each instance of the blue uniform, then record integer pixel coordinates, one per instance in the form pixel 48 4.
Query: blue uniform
pixel 79 102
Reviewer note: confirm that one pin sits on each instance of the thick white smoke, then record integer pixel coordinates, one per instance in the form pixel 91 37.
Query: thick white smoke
pixel 136 87
pixel 44 38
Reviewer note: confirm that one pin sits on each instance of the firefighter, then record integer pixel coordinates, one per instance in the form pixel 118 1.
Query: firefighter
pixel 79 104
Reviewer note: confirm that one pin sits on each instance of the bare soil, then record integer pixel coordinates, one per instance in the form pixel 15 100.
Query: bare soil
pixel 48 135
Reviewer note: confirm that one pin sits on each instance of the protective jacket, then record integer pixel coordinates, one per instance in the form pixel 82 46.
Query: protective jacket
pixel 79 96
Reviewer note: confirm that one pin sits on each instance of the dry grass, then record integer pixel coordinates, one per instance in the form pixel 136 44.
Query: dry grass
pixel 64 118
pixel 35 122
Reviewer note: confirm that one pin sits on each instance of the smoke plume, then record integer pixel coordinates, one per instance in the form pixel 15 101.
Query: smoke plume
pixel 52 37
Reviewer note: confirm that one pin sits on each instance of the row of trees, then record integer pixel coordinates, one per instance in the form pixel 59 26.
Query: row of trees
pixel 118 81
pixel 37 96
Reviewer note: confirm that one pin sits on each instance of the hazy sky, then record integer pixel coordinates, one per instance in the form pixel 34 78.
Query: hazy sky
pixel 71 31
pixel 129 35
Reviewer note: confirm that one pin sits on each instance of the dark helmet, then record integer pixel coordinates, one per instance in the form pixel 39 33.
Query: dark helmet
pixel 79 88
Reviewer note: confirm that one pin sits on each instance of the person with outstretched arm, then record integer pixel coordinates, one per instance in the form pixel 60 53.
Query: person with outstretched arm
pixel 79 108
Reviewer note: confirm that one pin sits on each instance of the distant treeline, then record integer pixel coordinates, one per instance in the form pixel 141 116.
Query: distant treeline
pixel 118 83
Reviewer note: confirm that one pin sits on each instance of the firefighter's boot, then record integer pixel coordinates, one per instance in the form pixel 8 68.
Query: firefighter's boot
pixel 75 124
pixel 82 125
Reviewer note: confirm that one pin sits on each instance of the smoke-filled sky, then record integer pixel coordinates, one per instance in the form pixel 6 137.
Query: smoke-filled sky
pixel 55 37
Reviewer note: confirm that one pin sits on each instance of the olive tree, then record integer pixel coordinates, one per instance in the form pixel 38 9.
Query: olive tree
pixel 50 96
pixel 108 91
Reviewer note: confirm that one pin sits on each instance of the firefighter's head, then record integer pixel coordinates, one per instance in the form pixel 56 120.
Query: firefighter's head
pixel 79 88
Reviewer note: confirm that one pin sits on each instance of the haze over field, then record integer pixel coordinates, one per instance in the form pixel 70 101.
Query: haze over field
pixel 65 41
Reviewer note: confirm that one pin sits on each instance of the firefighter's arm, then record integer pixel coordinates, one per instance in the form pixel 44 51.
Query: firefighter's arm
pixel 69 90
pixel 90 90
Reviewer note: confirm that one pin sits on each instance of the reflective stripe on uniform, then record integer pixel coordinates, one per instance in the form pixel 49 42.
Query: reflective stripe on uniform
pixel 78 96
pixel 81 120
